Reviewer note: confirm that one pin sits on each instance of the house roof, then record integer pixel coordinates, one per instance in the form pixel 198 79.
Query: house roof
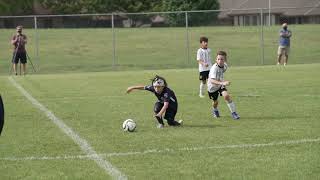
pixel 284 7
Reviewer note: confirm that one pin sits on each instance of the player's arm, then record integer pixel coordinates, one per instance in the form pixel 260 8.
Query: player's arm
pixel 14 40
pixel 200 60
pixel 223 83
pixel 138 87
pixel 289 34
pixel 283 34
pixel 202 63
pixel 163 109
pixel 24 39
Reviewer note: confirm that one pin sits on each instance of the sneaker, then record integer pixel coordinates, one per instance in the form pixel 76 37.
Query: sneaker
pixel 201 96
pixel 235 116
pixel 180 122
pixel 160 126
pixel 215 114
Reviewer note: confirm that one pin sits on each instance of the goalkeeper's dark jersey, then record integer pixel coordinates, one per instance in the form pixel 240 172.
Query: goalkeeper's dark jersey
pixel 167 95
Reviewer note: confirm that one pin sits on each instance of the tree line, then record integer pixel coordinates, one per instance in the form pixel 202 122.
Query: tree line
pixel 26 7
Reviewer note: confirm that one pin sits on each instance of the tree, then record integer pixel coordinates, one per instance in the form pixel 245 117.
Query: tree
pixel 191 5
pixel 18 7
pixel 98 6
pixel 103 6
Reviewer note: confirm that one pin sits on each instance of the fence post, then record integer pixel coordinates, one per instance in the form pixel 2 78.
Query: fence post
pixel 113 42
pixel 36 35
pixel 269 16
pixel 187 38
pixel 261 37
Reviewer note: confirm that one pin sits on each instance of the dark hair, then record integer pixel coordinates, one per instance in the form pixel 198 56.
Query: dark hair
pixel 205 39
pixel 159 77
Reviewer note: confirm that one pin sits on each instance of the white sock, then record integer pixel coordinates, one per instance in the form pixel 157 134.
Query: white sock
pixel 231 106
pixel 202 86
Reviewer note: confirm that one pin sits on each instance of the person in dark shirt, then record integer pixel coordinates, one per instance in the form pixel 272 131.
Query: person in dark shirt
pixel 19 41
pixel 167 104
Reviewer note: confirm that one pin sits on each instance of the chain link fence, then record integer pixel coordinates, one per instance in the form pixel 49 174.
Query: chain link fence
pixel 120 41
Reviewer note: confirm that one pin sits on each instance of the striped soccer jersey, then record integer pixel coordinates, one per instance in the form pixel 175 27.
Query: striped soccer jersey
pixel 204 55
pixel 216 72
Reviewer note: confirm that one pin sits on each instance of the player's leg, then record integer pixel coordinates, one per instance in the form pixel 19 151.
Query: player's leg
pixel 286 54
pixel 157 108
pixel 23 61
pixel 203 82
pixel 15 61
pixel 14 65
pixel 279 55
pixel 170 117
pixel 24 67
pixel 202 88
pixel 230 104
pixel 214 96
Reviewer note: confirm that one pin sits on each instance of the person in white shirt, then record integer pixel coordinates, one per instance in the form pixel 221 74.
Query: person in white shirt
pixel 217 86
pixel 204 61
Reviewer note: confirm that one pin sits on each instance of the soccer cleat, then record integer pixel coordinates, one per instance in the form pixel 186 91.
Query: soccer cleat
pixel 180 122
pixel 201 96
pixel 235 116
pixel 215 113
pixel 160 126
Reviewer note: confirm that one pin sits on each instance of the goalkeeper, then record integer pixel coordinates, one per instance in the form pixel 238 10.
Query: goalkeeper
pixel 167 105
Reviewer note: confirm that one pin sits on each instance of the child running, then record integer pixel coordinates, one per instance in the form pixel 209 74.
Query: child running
pixel 217 86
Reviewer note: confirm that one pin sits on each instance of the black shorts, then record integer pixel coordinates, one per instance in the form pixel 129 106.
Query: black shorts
pixel 214 95
pixel 170 112
pixel 204 75
pixel 22 56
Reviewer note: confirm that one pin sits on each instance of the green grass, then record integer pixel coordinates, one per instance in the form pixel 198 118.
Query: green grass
pixel 275 105
pixel 90 50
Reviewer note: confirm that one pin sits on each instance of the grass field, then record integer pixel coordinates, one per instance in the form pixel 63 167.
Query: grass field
pixel 276 138
pixel 90 50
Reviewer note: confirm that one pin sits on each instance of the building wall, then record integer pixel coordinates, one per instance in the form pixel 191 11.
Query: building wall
pixel 242 13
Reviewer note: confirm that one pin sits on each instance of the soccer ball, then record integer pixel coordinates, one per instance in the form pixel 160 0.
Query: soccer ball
pixel 129 125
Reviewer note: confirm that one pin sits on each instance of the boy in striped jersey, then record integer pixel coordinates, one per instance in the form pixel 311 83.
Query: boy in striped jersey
pixel 204 61
pixel 217 86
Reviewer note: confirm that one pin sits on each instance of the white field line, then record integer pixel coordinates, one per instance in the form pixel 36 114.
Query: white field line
pixel 84 145
pixel 152 151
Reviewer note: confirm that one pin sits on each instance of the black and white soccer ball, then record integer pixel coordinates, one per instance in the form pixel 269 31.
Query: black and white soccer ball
pixel 129 125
